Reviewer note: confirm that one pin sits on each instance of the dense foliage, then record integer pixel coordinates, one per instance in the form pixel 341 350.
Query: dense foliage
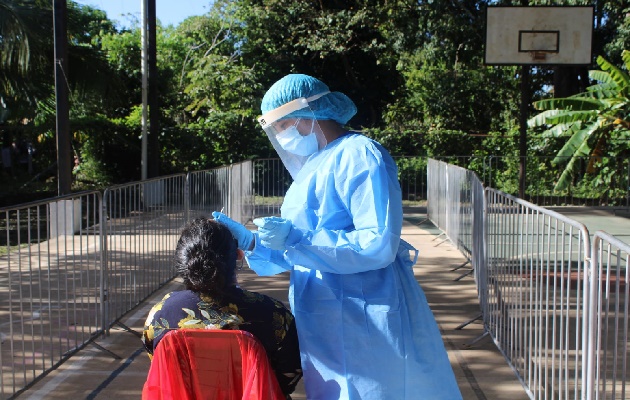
pixel 414 68
pixel 593 123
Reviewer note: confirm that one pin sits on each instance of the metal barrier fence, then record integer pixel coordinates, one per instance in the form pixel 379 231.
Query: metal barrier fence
pixel 143 223
pixel 536 259
pixel 208 191
pixel 556 308
pixel 412 176
pixel 241 199
pixel 228 188
pixel 608 321
pixel 271 180
pixel 455 202
pixel 437 205
pixel 50 285
pixel 72 266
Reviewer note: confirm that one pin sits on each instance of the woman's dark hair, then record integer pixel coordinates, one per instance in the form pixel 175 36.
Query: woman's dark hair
pixel 205 257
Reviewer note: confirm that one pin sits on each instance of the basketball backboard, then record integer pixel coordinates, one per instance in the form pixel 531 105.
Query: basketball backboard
pixel 544 35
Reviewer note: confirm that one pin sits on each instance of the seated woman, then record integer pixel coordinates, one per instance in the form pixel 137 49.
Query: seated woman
pixel 206 257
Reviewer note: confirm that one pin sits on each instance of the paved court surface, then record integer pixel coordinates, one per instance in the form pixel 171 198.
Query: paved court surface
pixel 481 370
pixel 615 222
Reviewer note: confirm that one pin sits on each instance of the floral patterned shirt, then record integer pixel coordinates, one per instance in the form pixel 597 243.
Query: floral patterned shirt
pixel 264 317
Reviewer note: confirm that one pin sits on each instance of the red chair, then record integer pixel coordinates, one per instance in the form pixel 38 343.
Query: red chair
pixel 191 364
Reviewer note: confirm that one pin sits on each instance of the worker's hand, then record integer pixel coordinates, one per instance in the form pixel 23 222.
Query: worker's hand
pixel 243 236
pixel 276 233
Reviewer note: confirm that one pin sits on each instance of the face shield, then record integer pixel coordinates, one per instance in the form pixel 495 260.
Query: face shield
pixel 294 138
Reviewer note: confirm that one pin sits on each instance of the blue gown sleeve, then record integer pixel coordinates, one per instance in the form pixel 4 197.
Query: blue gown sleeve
pixel 264 261
pixel 365 182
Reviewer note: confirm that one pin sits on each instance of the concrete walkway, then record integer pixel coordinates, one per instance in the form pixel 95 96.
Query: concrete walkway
pixel 481 370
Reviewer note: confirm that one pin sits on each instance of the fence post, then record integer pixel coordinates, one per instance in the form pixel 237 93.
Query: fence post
pixel 589 322
pixel 187 198
pixel 104 263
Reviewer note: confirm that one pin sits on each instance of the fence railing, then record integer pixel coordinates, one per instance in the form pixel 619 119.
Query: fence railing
pixel 555 305
pixel 51 297
pixel 456 204
pixel 594 182
pixel 271 180
pixel 535 262
pixel 464 192
pixel 72 266
pixel 228 188
pixel 242 199
pixel 437 207
pixel 209 191
pixel 609 309
pixel 141 230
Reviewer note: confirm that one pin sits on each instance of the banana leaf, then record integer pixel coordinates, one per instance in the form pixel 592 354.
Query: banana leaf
pixel 564 117
pixel 569 103
pixel 619 76
pixel 541 119
pixel 559 130
pixel 576 142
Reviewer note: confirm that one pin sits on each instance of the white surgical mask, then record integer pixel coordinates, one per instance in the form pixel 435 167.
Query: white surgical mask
pixel 292 141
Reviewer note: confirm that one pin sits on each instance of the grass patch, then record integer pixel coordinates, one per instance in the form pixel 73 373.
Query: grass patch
pixel 4 250
pixel 268 200
pixel 414 203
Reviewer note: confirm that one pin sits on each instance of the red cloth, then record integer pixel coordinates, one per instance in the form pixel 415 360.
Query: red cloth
pixel 191 364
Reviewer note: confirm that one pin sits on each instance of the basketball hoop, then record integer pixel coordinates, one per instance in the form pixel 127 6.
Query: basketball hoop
pixel 543 35
pixel 538 56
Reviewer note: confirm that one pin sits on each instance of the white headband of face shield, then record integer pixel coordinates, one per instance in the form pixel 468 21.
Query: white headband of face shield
pixel 286 109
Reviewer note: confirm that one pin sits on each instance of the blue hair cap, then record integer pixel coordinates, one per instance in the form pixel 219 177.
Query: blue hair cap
pixel 333 106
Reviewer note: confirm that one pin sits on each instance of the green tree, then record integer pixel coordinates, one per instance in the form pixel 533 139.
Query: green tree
pixel 350 45
pixel 24 41
pixel 26 52
pixel 219 94
pixel 612 29
pixel 27 79
pixel 588 120
pixel 446 87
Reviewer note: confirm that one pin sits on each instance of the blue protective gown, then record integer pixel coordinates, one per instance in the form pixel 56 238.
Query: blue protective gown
pixel 364 325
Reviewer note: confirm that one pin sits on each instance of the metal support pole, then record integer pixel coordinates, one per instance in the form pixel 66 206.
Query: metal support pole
pixel 64 165
pixel 145 73
pixel 153 153
pixel 522 146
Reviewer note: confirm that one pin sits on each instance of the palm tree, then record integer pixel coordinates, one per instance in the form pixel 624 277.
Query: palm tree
pixel 24 40
pixel 590 119
pixel 26 53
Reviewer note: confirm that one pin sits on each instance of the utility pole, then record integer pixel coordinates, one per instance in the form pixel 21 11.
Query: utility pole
pixel 145 75
pixel 522 143
pixel 64 165
pixel 153 159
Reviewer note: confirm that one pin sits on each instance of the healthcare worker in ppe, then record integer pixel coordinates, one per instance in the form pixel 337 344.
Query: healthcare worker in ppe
pixel 364 326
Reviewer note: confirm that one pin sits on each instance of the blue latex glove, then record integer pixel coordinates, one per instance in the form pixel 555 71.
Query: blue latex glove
pixel 276 233
pixel 243 236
